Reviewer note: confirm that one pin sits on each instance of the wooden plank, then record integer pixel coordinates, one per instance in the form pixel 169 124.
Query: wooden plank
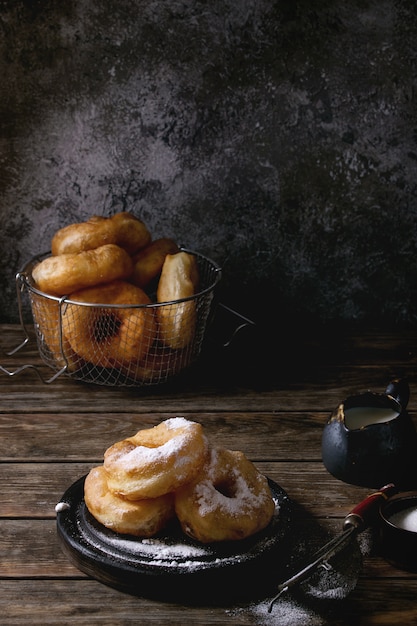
pixel 86 602
pixel 353 346
pixel 85 436
pixel 324 376
pixel 70 396
pixel 229 383
pixel 33 490
pixel 31 548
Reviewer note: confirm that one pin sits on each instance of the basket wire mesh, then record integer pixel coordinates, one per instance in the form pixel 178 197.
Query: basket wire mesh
pixel 120 345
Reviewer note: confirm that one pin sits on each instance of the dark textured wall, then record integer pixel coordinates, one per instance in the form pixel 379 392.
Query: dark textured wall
pixel 279 138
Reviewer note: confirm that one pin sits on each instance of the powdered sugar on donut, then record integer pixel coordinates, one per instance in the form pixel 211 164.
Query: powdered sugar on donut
pixel 182 432
pixel 171 450
pixel 210 499
pixel 244 496
pixel 229 499
pixel 156 460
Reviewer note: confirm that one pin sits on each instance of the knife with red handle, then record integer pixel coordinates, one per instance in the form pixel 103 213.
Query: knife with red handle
pixel 361 517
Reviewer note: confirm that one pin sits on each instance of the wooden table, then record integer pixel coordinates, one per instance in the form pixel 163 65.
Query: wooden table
pixel 52 434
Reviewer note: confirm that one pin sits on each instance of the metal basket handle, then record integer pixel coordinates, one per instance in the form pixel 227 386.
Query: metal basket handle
pixel 20 285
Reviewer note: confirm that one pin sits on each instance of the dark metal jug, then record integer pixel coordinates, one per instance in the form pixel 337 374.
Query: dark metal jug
pixel 370 440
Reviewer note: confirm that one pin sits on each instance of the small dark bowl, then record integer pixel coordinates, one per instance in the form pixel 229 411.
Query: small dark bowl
pixel 398 517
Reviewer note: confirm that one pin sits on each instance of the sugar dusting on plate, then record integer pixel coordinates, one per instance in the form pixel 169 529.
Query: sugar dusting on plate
pixel 174 551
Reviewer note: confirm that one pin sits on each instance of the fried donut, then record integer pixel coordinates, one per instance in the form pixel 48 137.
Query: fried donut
pixel 178 280
pixel 63 274
pixel 110 336
pixel 143 518
pixel 131 232
pixel 227 501
pixel 158 364
pixel 46 314
pixel 148 262
pixel 156 460
pixel 122 229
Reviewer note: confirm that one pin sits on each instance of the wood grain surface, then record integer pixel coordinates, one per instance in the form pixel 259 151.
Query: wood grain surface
pixel 52 434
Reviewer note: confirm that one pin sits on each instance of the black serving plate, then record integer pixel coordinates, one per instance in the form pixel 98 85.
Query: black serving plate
pixel 171 566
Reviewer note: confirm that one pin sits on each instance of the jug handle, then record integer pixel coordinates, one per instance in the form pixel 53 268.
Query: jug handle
pixel 400 391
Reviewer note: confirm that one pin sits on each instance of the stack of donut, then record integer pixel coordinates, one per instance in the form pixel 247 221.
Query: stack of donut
pixel 114 261
pixel 172 471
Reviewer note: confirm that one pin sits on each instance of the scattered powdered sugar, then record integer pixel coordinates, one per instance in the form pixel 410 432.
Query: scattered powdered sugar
pixel 365 541
pixel 330 584
pixel 336 578
pixel 176 551
pixel 285 612
pixel 156 553
pixel 151 551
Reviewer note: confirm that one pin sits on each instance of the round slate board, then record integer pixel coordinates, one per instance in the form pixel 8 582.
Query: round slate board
pixel 172 566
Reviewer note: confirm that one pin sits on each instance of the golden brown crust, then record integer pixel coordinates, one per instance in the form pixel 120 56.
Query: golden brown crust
pixel 143 518
pixel 148 262
pixel 157 365
pixel 63 274
pixel 179 279
pixel 110 337
pixel 131 232
pixel 122 229
pixel 46 314
pixel 66 273
pixel 82 236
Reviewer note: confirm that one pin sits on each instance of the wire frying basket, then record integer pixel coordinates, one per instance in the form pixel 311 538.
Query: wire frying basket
pixel 119 345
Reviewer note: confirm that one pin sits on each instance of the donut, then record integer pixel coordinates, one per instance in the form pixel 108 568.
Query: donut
pixel 158 364
pixel 148 262
pixel 178 280
pixel 143 518
pixel 46 314
pixel 122 229
pixel 229 500
pixel 156 460
pixel 131 232
pixel 63 274
pixel 110 336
